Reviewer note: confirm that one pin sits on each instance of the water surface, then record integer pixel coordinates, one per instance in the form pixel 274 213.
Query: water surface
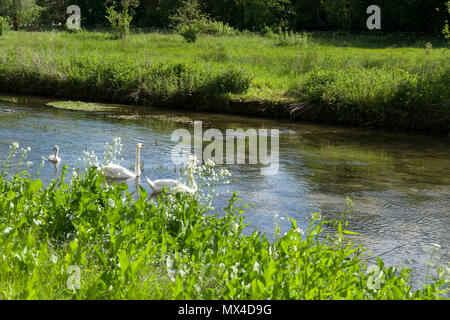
pixel 399 182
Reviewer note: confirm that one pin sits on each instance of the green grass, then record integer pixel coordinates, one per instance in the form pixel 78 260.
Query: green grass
pixel 371 80
pixel 176 249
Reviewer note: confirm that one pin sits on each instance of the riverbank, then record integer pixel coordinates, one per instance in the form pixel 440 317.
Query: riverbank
pixel 365 80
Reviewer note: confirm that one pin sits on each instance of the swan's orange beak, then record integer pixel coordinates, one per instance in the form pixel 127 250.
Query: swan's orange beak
pixel 142 146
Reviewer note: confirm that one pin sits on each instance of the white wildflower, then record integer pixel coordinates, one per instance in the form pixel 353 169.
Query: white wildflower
pixel 111 203
pixel 437 246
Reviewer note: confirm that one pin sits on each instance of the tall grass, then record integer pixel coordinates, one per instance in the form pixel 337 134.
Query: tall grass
pixel 280 72
pixel 127 247
pixel 395 97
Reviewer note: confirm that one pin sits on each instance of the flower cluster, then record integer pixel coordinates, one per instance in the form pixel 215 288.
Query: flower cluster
pixel 114 150
pixel 13 152
pixel 90 159
pixel 207 177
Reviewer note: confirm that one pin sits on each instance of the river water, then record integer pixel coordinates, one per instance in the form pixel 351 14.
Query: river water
pixel 399 182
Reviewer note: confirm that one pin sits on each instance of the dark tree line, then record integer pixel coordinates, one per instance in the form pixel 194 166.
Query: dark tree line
pixel 427 16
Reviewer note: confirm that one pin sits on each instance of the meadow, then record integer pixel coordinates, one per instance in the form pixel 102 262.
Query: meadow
pixel 392 81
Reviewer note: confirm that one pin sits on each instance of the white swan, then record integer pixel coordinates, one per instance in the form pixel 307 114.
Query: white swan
pixel 173 185
pixel 54 157
pixel 118 172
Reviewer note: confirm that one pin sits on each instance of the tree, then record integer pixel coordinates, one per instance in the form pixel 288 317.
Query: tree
pixel 120 20
pixel 284 14
pixel 20 12
pixel 446 30
pixel 189 21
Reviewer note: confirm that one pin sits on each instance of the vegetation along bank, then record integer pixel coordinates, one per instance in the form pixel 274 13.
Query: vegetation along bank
pixel 393 81
pixel 127 248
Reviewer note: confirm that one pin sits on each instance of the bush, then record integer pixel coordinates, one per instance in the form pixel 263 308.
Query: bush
pixel 176 249
pixel 189 22
pixel 268 32
pixel 120 21
pixel 189 32
pixel 218 28
pixel 380 96
pixel 232 80
pixel 446 30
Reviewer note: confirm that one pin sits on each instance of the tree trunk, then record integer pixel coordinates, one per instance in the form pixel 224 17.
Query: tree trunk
pixel 16 21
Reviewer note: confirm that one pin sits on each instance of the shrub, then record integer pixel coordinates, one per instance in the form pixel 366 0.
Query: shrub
pixel 379 96
pixel 188 20
pixel 120 20
pixel 189 32
pixel 128 248
pixel 446 30
pixel 218 28
pixel 268 32
pixel 232 80
pixel 290 38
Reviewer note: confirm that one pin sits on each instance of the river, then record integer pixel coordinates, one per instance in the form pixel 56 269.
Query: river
pixel 399 182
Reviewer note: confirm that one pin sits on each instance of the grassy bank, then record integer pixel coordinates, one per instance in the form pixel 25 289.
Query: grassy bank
pixel 370 80
pixel 134 249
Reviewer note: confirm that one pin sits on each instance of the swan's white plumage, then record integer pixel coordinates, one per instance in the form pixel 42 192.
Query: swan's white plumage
pixel 54 157
pixel 116 171
pixel 173 185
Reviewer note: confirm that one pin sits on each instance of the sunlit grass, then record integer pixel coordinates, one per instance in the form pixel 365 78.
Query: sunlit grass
pixel 240 68
pixel 127 248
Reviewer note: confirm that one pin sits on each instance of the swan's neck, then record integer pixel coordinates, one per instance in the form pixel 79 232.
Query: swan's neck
pixel 151 184
pixel 192 183
pixel 137 166
pixel 56 153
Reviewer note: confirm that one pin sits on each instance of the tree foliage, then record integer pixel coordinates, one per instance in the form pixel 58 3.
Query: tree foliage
pixel 424 16
pixel 446 30
pixel 119 17
pixel 20 12
pixel 188 20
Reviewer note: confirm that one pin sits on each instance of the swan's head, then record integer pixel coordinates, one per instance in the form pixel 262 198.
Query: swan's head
pixel 56 148
pixel 140 146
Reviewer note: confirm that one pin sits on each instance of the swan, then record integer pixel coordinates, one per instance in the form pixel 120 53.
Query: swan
pixel 116 171
pixel 54 157
pixel 173 185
